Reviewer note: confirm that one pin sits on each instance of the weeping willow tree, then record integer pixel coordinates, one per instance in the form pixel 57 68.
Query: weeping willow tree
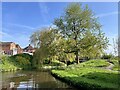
pixel 42 39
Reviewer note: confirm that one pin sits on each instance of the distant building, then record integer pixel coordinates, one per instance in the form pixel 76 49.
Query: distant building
pixel 19 49
pixel 29 49
pixel 10 48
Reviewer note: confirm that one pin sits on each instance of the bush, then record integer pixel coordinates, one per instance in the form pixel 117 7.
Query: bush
pixel 46 61
pixel 22 60
pixel 24 55
pixel 57 63
pixel 6 64
pixel 107 56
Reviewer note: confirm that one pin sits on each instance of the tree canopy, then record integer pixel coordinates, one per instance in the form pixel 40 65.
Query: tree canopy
pixel 79 24
pixel 77 34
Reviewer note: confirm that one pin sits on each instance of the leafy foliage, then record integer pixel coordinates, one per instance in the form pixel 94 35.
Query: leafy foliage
pixel 22 60
pixel 77 33
pixel 19 61
pixel 6 65
pixel 81 27
pixel 105 56
pixel 45 50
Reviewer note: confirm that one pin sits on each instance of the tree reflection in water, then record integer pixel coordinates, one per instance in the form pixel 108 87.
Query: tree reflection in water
pixel 30 79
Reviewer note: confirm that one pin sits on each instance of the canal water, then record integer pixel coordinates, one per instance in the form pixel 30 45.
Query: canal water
pixel 28 80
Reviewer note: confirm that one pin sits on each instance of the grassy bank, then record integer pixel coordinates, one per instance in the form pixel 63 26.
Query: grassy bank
pixel 91 74
pixel 116 65
pixel 16 62
pixel 7 65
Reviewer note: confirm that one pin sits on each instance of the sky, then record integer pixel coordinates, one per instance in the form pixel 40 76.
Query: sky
pixel 21 19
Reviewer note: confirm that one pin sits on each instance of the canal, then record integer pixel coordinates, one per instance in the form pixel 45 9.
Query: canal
pixel 28 80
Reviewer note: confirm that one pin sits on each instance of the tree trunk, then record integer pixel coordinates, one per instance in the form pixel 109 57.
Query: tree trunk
pixel 77 57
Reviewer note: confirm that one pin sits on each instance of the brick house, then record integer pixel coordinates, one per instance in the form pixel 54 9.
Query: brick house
pixel 10 48
pixel 29 49
pixel 19 49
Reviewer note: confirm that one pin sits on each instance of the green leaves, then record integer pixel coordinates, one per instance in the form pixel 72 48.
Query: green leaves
pixel 23 61
pixel 76 34
pixel 79 26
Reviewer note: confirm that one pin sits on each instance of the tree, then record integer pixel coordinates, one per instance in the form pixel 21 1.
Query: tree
pixel 43 38
pixel 34 39
pixel 115 46
pixel 74 25
pixel 60 47
pixel 93 46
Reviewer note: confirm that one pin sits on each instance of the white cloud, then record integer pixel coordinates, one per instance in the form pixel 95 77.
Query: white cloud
pixel 20 36
pixel 17 28
pixel 44 11
pixel 5 35
pixel 21 39
pixel 23 26
pixel 43 8
pixel 107 14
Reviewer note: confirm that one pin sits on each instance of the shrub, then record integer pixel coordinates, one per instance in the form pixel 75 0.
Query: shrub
pixel 22 60
pixel 6 64
pixel 57 63
pixel 105 56
pixel 25 55
pixel 46 61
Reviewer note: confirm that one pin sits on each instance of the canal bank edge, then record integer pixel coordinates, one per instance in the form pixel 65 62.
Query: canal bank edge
pixel 80 85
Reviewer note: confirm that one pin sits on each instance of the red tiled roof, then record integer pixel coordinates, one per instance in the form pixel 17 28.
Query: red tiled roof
pixel 6 43
pixel 28 47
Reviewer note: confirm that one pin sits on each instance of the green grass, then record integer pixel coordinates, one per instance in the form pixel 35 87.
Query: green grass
pixel 91 63
pixel 95 63
pixel 89 75
pixel 116 64
pixel 57 63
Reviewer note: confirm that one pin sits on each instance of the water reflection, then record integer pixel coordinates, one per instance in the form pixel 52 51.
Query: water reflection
pixel 26 85
pixel 30 80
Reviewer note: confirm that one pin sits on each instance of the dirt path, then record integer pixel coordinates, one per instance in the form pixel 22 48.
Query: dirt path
pixel 110 66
